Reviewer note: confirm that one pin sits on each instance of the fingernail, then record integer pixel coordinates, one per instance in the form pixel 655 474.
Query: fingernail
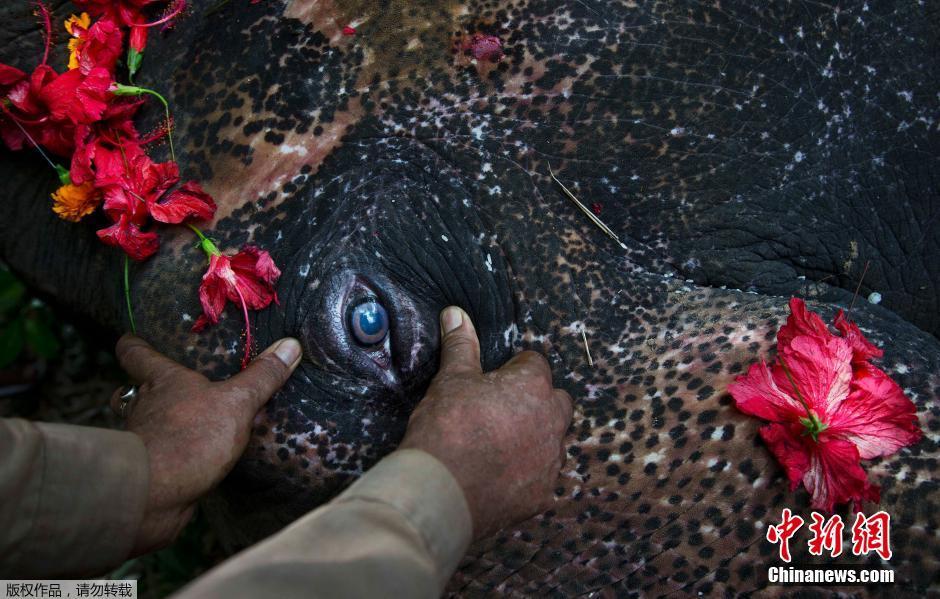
pixel 451 319
pixel 288 351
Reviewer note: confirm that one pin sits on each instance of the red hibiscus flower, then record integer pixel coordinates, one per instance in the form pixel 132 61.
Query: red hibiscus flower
pixel 28 107
pixel 46 107
pixel 828 408
pixel 97 46
pixel 131 187
pixel 247 279
pixel 114 131
pixel 79 97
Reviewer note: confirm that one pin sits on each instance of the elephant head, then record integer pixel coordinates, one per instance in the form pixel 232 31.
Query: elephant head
pixel 738 154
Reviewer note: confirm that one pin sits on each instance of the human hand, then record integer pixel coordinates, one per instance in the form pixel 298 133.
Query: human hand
pixel 194 429
pixel 501 434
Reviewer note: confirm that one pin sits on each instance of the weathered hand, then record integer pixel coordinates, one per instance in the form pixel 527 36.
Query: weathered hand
pixel 194 429
pixel 500 433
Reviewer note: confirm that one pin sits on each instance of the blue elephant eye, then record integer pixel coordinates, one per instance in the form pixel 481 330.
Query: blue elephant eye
pixel 369 323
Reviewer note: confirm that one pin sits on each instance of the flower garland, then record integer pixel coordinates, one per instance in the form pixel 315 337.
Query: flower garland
pixel 86 116
pixel 828 407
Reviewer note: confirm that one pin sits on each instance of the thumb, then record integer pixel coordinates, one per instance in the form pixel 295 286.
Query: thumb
pixel 265 374
pixel 460 348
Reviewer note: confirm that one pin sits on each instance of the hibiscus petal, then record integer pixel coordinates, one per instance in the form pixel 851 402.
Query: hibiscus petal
pixel 81 98
pixel 125 235
pixel 877 417
pixel 10 75
pixel 835 475
pixel 102 48
pixel 202 323
pixel 217 286
pixel 256 275
pixel 80 169
pixel 862 349
pixel 757 394
pixel 165 175
pixel 189 202
pixel 821 367
pixel 801 321
pixel 789 449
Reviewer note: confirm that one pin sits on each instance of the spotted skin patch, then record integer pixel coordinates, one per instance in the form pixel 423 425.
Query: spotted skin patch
pixel 393 161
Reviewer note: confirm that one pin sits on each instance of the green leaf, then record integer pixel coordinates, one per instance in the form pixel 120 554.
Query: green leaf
pixel 41 339
pixel 11 342
pixel 11 291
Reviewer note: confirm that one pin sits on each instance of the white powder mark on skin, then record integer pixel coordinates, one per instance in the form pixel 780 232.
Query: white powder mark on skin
pixel 289 149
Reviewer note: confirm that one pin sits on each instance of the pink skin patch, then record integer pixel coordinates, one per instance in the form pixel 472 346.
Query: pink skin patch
pixel 486 47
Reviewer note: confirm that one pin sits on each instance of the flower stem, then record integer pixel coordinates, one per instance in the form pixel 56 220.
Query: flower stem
pixel 247 357
pixel 127 293
pixel 29 137
pixel 205 243
pixel 132 90
pixel 196 230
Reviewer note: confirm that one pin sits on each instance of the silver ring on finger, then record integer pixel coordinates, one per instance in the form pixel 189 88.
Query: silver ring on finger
pixel 129 395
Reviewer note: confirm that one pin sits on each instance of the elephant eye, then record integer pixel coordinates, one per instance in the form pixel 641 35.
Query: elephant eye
pixel 368 322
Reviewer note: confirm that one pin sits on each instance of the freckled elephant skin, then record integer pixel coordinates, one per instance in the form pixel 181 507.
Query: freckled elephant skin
pixel 727 145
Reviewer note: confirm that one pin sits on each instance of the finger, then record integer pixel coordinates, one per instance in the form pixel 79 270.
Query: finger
pixel 142 362
pixel 460 348
pixel 530 363
pixel 565 409
pixel 265 375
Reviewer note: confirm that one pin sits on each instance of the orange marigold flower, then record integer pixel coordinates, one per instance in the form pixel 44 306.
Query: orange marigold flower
pixel 74 202
pixel 76 25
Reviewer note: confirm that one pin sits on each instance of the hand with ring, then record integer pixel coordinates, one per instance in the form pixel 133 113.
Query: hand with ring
pixel 194 429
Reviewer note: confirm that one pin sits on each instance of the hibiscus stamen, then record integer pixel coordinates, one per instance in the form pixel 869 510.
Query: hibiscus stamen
pixel 813 424
pixel 247 357
pixel 47 26
pixel 168 16
pixel 153 136
pixel 119 89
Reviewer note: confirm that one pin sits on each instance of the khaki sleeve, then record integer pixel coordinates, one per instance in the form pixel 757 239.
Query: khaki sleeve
pixel 73 498
pixel 398 532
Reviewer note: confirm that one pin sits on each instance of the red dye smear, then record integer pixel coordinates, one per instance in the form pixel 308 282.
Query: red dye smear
pixel 596 208
pixel 347 30
pixel 486 47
